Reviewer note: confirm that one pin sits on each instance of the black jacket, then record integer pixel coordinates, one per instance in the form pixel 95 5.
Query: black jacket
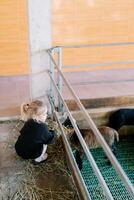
pixel 33 135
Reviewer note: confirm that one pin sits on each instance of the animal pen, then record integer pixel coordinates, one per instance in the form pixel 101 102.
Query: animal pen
pixel 96 180
pixel 103 31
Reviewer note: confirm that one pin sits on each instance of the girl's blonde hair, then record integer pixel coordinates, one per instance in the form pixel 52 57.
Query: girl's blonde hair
pixel 35 110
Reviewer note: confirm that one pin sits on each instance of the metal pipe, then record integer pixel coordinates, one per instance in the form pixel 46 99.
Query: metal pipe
pixel 59 78
pixel 96 45
pixel 99 137
pixel 84 194
pixel 51 85
pixel 86 149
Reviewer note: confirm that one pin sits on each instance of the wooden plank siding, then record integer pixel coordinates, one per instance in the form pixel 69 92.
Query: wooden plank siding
pixel 93 21
pixel 13 37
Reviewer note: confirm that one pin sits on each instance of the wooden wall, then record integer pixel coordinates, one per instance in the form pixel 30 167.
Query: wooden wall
pixel 73 22
pixel 13 37
pixel 93 21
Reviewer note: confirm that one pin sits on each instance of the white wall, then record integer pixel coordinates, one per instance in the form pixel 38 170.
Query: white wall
pixel 39 12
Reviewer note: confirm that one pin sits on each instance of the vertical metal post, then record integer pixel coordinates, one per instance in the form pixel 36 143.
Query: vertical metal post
pixel 51 84
pixel 60 105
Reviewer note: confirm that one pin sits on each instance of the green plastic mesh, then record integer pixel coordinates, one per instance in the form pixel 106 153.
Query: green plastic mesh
pixel 125 156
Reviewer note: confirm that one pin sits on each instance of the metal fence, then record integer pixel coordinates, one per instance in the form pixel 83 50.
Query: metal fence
pixel 58 87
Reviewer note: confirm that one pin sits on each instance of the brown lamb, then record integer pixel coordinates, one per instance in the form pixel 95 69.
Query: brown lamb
pixel 109 134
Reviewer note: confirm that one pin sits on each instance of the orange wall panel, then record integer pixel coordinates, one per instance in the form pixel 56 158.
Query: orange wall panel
pixel 93 21
pixel 13 37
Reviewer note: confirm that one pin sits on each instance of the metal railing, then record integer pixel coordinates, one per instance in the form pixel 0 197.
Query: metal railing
pixel 58 51
pixel 86 150
pixel 97 133
pixel 95 45
pixel 84 194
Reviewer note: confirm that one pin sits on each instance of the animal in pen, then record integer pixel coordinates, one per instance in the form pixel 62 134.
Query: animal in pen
pixel 109 134
pixel 121 117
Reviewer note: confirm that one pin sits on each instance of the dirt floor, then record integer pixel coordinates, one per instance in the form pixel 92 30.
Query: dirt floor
pixel 21 180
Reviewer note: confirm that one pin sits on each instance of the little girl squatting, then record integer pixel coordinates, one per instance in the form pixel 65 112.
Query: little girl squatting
pixel 34 135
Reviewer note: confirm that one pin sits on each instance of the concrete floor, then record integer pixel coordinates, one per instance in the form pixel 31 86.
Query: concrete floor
pixel 10 166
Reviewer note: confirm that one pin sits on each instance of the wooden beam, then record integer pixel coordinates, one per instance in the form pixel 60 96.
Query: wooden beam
pixel 120 101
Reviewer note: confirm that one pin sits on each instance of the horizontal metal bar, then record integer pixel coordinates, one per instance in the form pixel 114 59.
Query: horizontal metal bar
pixel 102 82
pixel 99 137
pixel 76 172
pixel 95 45
pixel 99 64
pixel 86 149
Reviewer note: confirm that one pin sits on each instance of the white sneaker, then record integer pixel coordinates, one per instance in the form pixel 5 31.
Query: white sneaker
pixel 42 159
pixel 45 156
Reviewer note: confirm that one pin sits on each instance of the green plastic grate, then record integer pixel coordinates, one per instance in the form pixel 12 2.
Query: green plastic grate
pixel 125 156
